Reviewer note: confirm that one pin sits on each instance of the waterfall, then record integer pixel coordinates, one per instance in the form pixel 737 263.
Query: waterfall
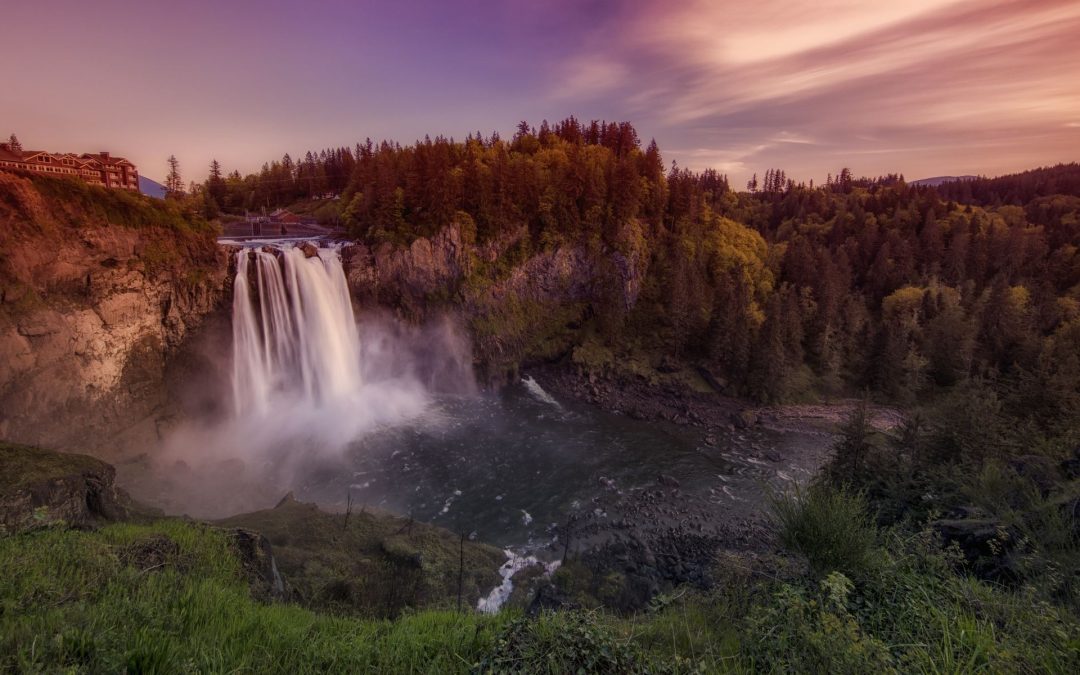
pixel 308 381
pixel 294 332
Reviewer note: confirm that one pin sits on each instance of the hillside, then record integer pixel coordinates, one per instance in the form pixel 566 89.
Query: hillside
pixel 144 595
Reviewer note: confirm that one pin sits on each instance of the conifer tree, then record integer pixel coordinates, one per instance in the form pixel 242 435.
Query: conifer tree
pixel 174 184
pixel 853 446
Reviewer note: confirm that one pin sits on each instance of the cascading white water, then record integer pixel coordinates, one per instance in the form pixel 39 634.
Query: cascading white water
pixel 296 337
pixel 305 387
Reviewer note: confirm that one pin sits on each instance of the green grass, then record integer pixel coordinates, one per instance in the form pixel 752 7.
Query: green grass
pixel 77 602
pixel 118 600
pixel 82 203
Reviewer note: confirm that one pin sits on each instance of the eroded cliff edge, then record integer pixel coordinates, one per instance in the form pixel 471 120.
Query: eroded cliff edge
pixel 97 290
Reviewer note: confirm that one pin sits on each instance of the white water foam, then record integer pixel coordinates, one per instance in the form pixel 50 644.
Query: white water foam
pixel 514 564
pixel 534 388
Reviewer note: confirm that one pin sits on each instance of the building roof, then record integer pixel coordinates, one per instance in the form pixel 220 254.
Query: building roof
pixel 107 159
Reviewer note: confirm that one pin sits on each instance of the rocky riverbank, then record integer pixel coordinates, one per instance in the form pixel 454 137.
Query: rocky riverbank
pixel 628 546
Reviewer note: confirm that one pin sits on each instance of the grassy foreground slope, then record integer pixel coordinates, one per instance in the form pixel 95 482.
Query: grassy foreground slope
pixel 89 602
pixel 838 595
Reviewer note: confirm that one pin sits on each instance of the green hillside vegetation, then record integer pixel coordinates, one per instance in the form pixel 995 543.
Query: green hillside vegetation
pixel 39 215
pixel 73 202
pixel 840 596
pixel 375 564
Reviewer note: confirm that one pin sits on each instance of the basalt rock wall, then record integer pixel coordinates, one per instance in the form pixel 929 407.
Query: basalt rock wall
pixel 90 314
pixel 520 303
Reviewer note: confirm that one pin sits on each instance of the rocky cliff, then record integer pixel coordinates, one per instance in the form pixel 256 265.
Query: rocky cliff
pixel 100 293
pixel 520 304
pixel 96 291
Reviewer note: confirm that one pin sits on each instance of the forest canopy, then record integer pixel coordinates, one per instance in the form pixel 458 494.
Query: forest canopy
pixel 783 289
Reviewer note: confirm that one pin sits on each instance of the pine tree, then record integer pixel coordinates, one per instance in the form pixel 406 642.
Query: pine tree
pixel 215 184
pixel 14 143
pixel 174 184
pixel 853 446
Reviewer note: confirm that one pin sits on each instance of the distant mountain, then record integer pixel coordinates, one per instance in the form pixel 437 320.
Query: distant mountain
pixel 938 180
pixel 151 187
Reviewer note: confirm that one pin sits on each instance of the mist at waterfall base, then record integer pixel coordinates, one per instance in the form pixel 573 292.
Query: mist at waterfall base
pixel 307 379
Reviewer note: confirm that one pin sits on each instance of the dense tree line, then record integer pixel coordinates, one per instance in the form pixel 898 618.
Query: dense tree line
pixel 1016 189
pixel 899 289
pixel 280 183
pixel 784 290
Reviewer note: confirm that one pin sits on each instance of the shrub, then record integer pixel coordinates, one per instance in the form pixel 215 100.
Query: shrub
pixel 830 526
pixel 813 632
pixel 563 642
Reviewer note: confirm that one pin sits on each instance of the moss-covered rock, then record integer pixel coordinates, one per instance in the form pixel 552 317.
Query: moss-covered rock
pixel 40 488
pixel 372 563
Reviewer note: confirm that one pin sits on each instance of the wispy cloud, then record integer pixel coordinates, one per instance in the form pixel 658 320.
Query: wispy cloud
pixel 920 86
pixel 907 84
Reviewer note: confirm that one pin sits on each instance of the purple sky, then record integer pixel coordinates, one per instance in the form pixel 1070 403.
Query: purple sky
pixel 924 87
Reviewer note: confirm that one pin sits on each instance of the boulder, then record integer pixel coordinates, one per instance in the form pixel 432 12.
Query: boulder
pixel 310 250
pixel 258 564
pixel 40 488
pixel 718 384
pixel 744 419
pixel 986 544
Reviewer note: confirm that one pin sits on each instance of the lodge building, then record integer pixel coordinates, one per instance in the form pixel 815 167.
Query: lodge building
pixel 100 169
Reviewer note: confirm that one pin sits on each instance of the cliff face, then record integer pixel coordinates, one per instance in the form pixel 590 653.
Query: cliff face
pixel 519 304
pixel 98 304
pixel 90 312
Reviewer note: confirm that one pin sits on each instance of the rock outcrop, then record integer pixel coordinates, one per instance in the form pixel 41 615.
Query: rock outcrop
pixel 89 313
pixel 257 561
pixel 39 488
pixel 516 301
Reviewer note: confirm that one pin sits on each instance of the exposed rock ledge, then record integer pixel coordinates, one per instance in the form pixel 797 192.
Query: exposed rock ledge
pixel 86 323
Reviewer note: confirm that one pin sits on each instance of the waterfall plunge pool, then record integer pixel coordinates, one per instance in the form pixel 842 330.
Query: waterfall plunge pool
pixel 337 407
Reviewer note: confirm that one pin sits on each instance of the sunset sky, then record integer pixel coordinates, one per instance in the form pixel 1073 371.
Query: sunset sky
pixel 923 87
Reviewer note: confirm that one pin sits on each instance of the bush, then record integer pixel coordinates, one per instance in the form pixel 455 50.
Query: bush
pixel 562 642
pixel 830 526
pixel 814 632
